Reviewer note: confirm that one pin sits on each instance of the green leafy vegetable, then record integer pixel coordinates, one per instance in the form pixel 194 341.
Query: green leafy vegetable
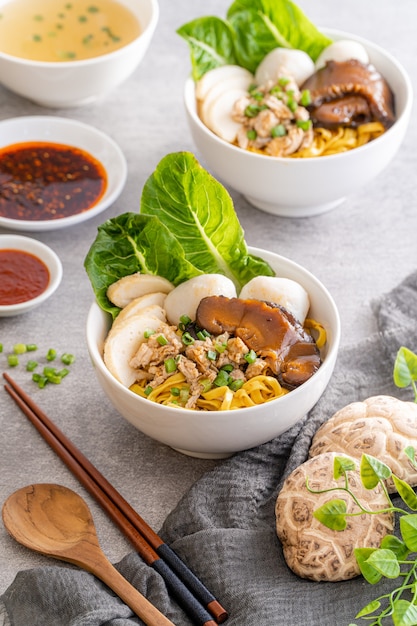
pixel 187 226
pixel 405 369
pixel 211 43
pixel 133 243
pixel 252 29
pixel 199 211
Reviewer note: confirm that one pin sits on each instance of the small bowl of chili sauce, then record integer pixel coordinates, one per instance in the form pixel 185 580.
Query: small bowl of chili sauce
pixel 30 272
pixel 56 172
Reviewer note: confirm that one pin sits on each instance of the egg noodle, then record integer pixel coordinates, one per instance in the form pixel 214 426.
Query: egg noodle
pixel 255 391
pixel 327 142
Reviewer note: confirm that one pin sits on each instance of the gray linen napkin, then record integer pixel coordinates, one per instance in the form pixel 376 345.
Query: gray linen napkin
pixel 224 527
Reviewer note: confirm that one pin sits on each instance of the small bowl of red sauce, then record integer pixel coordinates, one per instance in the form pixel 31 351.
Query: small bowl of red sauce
pixel 30 272
pixel 56 172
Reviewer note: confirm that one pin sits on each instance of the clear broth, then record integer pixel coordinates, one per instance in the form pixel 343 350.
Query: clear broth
pixel 65 30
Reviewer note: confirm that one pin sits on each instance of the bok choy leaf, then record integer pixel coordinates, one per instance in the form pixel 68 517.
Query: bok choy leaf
pixel 187 226
pixel 250 31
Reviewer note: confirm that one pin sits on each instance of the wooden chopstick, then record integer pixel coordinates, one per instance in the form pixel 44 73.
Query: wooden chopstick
pixel 188 590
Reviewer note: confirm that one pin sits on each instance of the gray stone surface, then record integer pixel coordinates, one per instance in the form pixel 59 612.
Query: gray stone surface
pixel 360 251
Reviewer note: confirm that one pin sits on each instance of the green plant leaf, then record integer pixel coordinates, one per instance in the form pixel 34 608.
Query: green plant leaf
pixel 369 608
pixel 405 367
pixel 405 492
pixel 341 465
pixel 404 614
pixel 408 527
pixel 332 514
pixel 211 44
pixel 369 572
pixel 372 471
pixel 391 542
pixel 411 453
pixel 385 562
pixel 199 211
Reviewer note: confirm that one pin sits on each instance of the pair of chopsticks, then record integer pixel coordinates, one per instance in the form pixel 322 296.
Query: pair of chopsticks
pixel 190 593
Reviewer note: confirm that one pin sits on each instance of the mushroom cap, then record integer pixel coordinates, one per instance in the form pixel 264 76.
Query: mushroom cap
pixel 381 426
pixel 312 550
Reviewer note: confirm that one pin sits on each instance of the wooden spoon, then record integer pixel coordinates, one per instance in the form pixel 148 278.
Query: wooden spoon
pixel 56 521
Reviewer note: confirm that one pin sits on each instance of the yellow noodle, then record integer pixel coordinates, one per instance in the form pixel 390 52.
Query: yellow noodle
pixel 257 390
pixel 339 140
pixel 320 334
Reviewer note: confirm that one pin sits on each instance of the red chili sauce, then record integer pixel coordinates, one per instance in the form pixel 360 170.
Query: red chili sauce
pixel 48 181
pixel 22 276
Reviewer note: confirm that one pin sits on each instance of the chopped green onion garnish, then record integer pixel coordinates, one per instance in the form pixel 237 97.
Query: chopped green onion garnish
pixel 40 380
pixel 283 81
pixel 184 394
pixel 19 348
pixel 250 357
pixel 205 384
pixel 292 105
pixel 170 365
pixel 64 372
pixel 1 347
pixel 252 110
pixel 148 332
pixel 148 390
pixel 279 131
pixel 162 340
pixel 184 319
pixel 305 98
pixel 31 365
pixel 251 134
pixel 175 391
pixel 12 360
pixel 186 339
pixel 67 358
pixel 304 124
pixel 203 334
pixel 227 368
pixel 276 91
pixel 220 347
pixel 51 355
pixel 212 355
pixel 222 379
pixel 54 378
pixel 236 384
pixel 31 347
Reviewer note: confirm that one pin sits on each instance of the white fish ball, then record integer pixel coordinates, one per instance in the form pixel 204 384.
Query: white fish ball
pixel 342 50
pixel 294 63
pixel 185 298
pixel 283 291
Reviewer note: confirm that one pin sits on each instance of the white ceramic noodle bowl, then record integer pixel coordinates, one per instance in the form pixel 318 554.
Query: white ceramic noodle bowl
pixel 218 434
pixel 75 83
pixel 304 187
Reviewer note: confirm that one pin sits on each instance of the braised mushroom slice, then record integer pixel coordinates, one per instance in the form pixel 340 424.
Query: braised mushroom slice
pixel 312 550
pixel 349 93
pixel 271 331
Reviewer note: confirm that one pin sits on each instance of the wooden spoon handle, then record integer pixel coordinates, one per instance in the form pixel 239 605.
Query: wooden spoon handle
pixel 131 596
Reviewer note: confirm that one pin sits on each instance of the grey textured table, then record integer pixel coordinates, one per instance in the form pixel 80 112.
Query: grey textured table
pixel 360 250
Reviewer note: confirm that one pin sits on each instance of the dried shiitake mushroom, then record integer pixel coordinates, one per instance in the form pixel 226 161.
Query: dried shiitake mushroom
pixel 311 549
pixel 381 426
